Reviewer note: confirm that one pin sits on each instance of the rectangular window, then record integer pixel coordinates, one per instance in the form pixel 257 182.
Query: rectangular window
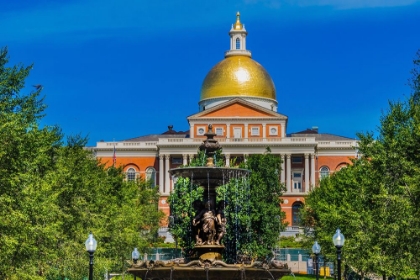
pixel 219 131
pixel 296 159
pixel 176 160
pixel 255 131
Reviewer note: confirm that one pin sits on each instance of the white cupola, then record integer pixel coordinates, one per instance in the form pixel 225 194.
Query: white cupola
pixel 238 39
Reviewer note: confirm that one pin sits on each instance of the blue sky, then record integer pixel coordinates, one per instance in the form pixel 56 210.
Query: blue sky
pixel 113 70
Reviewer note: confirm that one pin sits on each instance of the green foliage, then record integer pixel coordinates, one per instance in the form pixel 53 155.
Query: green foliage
pixel 267 219
pixel 290 242
pixel 182 211
pixel 235 196
pixel 375 202
pixel 52 195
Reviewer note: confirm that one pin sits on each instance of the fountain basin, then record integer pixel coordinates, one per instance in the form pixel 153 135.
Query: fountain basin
pixel 208 270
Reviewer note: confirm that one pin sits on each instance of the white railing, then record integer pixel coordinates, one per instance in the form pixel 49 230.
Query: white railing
pixel 287 140
pixel 327 144
pixel 240 140
pixel 120 145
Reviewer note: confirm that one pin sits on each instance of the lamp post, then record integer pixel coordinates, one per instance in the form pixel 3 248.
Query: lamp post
pixel 135 255
pixel 91 245
pixel 338 240
pixel 316 249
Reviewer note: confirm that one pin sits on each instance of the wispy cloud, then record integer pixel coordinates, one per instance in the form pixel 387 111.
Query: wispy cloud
pixel 339 4
pixel 92 16
pixel 87 19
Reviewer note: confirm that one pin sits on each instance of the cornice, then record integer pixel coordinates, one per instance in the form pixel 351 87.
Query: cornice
pixel 236 118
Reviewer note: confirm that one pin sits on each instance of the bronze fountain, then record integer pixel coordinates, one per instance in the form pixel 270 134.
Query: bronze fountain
pixel 208 229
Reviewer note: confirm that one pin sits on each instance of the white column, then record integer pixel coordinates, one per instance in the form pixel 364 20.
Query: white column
pixel 283 133
pixel 264 134
pixel 313 170
pixel 227 156
pixel 283 170
pixel 227 131
pixel 184 159
pixel 191 158
pixel 246 133
pixel 307 173
pixel 167 179
pixel 192 131
pixel 289 173
pixel 161 172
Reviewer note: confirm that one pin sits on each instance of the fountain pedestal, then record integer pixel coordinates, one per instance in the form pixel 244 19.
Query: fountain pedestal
pixel 209 252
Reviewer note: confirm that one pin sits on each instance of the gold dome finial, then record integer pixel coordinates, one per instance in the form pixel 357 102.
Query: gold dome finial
pixel 238 25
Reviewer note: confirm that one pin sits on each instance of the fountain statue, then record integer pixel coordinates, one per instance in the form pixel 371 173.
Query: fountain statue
pixel 207 230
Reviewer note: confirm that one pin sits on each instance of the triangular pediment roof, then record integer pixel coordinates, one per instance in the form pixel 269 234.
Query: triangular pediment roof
pixel 237 108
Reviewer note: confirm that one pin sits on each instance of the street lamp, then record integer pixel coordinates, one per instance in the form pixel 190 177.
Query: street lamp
pixel 316 249
pixel 135 255
pixel 338 240
pixel 91 245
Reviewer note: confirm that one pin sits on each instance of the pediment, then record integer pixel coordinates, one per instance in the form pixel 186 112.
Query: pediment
pixel 237 108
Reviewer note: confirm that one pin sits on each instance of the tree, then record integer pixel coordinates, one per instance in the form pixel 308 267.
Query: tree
pixel 27 205
pixel 98 199
pixel 52 194
pixel 376 200
pixel 266 217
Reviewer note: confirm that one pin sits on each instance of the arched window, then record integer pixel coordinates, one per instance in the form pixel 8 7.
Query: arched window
pixel 131 174
pixel 238 43
pixel 151 176
pixel 341 166
pixel 324 172
pixel 295 213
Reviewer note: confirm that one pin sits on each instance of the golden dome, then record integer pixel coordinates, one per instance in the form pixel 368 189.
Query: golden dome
pixel 238 76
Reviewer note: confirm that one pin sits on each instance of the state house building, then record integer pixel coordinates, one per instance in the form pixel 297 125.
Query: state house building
pixel 238 98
